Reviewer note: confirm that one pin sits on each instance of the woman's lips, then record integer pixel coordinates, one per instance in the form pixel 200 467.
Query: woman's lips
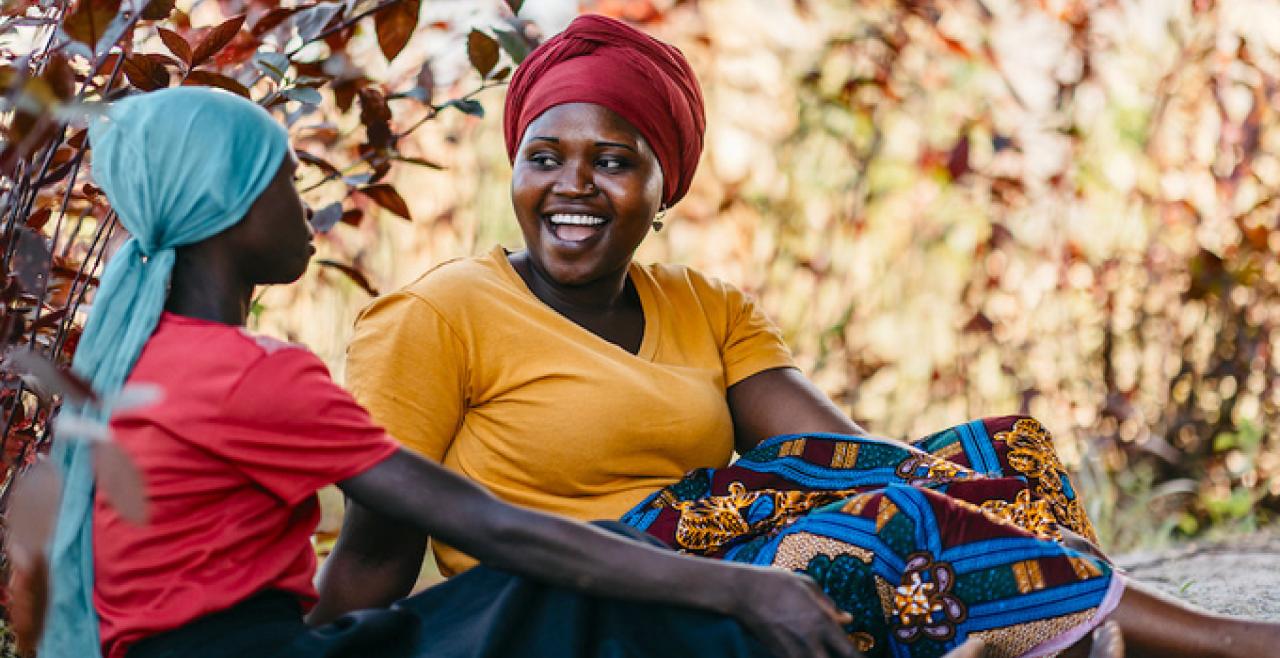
pixel 575 228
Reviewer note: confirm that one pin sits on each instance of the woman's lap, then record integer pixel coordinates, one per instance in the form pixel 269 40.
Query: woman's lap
pixel 483 613
pixel 923 547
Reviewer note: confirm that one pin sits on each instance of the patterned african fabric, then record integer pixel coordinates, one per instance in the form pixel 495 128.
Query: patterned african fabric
pixel 957 535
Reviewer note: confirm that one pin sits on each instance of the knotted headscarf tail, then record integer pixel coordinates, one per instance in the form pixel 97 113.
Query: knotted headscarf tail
pixel 606 62
pixel 178 166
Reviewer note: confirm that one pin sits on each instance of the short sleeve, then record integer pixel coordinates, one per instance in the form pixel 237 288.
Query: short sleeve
pixel 408 367
pixel 752 342
pixel 292 430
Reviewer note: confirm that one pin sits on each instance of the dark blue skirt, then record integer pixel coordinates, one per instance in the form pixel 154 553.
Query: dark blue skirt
pixel 483 613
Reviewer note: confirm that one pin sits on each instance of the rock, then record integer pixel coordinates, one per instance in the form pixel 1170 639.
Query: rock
pixel 1236 576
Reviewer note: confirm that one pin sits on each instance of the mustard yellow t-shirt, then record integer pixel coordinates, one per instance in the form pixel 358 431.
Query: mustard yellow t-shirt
pixel 467 367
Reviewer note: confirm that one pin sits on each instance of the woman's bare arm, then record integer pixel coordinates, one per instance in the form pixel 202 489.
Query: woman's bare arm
pixel 374 563
pixel 785 611
pixel 782 401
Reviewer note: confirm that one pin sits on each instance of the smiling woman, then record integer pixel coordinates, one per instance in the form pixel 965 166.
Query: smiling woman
pixel 568 378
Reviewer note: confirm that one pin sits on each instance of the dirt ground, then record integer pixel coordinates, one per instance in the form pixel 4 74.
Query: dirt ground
pixel 1238 576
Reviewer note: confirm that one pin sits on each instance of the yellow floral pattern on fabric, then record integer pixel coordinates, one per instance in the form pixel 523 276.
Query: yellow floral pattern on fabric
pixel 708 523
pixel 1032 515
pixel 1032 454
pixel 935 470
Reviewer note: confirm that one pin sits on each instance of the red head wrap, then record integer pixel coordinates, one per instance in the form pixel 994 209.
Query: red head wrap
pixel 606 62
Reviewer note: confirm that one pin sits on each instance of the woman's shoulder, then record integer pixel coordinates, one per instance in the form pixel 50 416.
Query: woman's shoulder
pixel 675 281
pixel 450 292
pixel 458 279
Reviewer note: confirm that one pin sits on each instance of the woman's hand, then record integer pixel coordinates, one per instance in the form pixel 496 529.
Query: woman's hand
pixel 791 616
pixel 787 612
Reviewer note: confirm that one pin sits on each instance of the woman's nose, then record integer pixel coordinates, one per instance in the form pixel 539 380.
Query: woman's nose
pixel 575 180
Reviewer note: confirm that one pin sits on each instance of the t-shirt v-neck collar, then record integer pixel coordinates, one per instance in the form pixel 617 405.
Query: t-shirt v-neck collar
pixel 648 305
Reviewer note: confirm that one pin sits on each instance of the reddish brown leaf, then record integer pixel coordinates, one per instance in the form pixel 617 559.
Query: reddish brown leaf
pixel 482 50
pixel 318 162
pixel 979 324
pixel 272 19
pixel 211 79
pixel 344 92
pixel 958 159
pixel 176 44
pixel 352 217
pixel 395 25
pixel 376 117
pixel 60 77
pixel 78 139
pixel 337 41
pixel 89 20
pixel 158 10
pixel 145 73
pixel 39 218
pixel 241 48
pixel 387 197
pixel 49 320
pixel 215 39
pixel 352 273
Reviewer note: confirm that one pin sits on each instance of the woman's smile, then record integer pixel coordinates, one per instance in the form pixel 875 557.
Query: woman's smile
pixel 575 230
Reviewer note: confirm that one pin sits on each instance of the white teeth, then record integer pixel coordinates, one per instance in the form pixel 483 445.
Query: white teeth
pixel 577 220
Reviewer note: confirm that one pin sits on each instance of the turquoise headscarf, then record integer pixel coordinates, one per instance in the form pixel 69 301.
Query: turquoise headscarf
pixel 178 166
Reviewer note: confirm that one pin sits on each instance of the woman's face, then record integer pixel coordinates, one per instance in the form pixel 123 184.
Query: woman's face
pixel 273 242
pixel 585 188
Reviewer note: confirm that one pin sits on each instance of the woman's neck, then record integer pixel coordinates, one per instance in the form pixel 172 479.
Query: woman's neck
pixel 605 294
pixel 207 287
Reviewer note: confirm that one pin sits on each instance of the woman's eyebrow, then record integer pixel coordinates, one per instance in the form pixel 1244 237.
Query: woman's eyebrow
pixel 618 145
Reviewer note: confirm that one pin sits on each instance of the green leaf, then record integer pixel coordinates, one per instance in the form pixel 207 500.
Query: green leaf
pixel 275 65
pixel 327 217
pixel 304 95
pixel 482 50
pixel 467 106
pixel 512 43
pixel 311 21
pixel 417 161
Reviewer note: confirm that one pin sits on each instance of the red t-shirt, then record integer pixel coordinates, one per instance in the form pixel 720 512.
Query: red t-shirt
pixel 247 431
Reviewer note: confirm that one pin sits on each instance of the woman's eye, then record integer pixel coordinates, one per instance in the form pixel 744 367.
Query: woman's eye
pixel 612 164
pixel 542 159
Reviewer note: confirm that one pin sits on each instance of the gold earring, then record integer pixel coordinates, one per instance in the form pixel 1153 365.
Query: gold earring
pixel 657 220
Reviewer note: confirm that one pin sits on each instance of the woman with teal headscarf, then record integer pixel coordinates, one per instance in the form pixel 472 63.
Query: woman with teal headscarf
pixel 249 428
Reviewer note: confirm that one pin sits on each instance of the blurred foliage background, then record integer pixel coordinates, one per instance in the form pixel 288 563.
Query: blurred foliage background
pixel 953 209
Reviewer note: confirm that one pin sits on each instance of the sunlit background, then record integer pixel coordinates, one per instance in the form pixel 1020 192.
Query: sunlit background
pixel 953 209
